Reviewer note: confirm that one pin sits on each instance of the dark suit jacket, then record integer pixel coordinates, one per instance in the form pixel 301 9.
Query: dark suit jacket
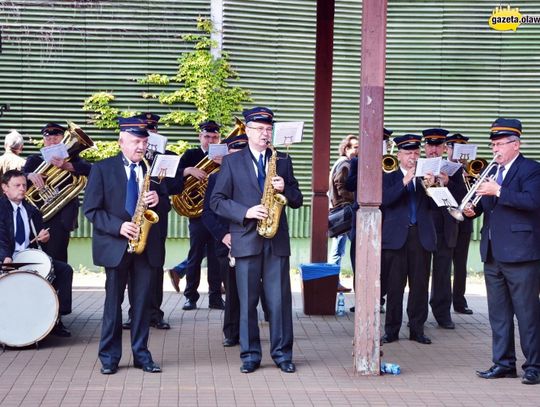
pixel 69 213
pixel 395 210
pixel 191 157
pixel 237 190
pixel 218 226
pixel 7 229
pixel 514 218
pixel 104 206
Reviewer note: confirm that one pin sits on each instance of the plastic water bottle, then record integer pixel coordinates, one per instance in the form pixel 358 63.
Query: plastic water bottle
pixel 340 305
pixel 390 368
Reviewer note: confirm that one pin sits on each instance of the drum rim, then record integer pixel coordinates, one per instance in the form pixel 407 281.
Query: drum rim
pixel 50 275
pixel 57 307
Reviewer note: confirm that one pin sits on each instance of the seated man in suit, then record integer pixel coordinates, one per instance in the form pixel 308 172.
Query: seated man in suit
pixel 262 264
pixel 510 250
pixel 118 189
pixel 19 221
pixel 408 239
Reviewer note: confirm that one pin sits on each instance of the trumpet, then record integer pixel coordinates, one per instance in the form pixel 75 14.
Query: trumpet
pixel 472 170
pixel 390 162
pixel 471 196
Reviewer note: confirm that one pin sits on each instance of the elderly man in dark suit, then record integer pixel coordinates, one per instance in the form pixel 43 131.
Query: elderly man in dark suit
pixel 114 189
pixel 408 239
pixel 18 219
pixel 65 220
pixel 261 263
pixel 510 250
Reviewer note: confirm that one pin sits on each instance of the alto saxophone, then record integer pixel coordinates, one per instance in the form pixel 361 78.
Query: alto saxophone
pixel 143 217
pixel 271 200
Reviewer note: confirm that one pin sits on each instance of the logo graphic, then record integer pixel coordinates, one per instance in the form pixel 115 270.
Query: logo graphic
pixel 505 19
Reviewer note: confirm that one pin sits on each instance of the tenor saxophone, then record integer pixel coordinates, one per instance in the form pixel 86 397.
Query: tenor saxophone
pixel 271 200
pixel 143 217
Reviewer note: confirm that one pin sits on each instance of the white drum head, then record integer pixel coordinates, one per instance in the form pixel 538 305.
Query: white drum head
pixel 29 308
pixel 43 262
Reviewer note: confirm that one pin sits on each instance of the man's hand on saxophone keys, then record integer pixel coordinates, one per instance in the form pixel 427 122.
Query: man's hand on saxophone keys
pixel 151 198
pixel 278 183
pixel 257 212
pixel 129 230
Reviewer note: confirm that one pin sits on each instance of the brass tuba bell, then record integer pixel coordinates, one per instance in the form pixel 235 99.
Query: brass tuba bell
pixel 190 201
pixel 61 186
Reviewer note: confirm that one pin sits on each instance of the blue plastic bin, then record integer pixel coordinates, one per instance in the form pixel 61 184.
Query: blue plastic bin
pixel 319 288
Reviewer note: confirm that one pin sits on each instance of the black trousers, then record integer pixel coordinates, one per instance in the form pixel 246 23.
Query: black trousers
pixel 135 271
pixel 441 281
pixel 269 273
pixel 201 242
pixel 410 263
pixel 461 253
pixel 57 246
pixel 513 289
pixel 63 283
pixel 231 317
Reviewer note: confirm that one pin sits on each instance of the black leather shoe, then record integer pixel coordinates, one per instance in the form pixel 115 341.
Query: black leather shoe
pixel 423 339
pixel 189 305
pixel 496 372
pixel 60 330
pixel 175 279
pixel 161 324
pixel 109 369
pixel 531 376
pixel 447 325
pixel 127 324
pixel 219 304
pixel 149 367
pixel 249 367
pixel 352 309
pixel 287 367
pixel 389 338
pixel 228 342
pixel 466 311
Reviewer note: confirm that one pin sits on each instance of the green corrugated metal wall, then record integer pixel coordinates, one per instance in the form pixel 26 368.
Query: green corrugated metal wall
pixel 445 66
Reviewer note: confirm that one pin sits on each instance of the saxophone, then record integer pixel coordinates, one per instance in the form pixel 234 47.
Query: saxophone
pixel 143 217
pixel 272 201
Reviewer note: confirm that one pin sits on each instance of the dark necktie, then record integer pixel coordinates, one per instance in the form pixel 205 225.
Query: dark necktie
pixel 260 171
pixel 132 192
pixel 412 203
pixel 500 175
pixel 19 233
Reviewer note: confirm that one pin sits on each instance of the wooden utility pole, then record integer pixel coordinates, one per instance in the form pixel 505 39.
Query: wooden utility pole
pixel 368 217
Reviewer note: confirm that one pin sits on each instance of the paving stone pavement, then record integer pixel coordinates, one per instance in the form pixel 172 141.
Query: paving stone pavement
pixel 198 371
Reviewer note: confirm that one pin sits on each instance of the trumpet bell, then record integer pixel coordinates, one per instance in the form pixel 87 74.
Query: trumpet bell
pixel 389 163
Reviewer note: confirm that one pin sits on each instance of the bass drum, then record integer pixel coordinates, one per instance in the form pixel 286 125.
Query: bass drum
pixel 29 308
pixel 42 262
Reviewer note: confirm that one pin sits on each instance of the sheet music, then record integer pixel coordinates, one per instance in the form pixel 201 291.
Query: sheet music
pixel 57 150
pixel 165 165
pixel 450 167
pixel 464 151
pixel 442 196
pixel 425 165
pixel 157 142
pixel 217 150
pixel 286 133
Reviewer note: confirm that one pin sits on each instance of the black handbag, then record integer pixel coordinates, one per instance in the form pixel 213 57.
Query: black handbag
pixel 340 220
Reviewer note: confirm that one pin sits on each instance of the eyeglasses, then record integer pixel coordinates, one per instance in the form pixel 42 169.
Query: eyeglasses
pixel 502 143
pixel 262 129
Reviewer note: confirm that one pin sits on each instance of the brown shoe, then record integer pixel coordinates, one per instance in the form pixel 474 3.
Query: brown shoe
pixel 343 289
pixel 175 279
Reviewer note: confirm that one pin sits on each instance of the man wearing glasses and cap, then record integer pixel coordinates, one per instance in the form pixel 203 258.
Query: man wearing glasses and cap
pixel 262 264
pixel 510 250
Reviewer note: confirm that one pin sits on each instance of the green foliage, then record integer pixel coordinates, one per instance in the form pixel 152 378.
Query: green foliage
pixel 102 149
pixel 105 116
pixel 179 147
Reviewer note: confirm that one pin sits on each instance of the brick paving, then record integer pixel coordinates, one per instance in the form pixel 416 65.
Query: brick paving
pixel 198 371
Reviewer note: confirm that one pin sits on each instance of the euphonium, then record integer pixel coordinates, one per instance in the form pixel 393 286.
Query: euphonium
pixel 272 201
pixel 143 217
pixel 61 186
pixel 190 201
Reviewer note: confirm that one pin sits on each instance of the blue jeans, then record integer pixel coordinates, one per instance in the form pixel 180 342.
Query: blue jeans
pixel 338 249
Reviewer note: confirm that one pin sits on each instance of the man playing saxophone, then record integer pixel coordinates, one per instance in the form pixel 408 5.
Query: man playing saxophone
pixel 262 264
pixel 114 193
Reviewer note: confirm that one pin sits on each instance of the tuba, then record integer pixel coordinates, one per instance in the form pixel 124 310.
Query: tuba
pixel 61 186
pixel 273 201
pixel 143 217
pixel 190 201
